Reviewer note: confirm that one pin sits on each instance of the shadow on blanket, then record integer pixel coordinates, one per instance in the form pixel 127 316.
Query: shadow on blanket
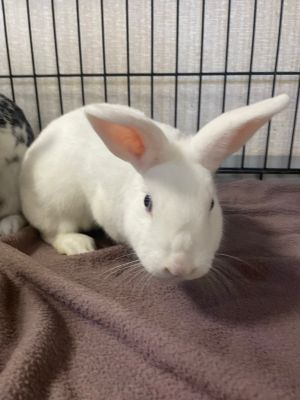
pixel 271 280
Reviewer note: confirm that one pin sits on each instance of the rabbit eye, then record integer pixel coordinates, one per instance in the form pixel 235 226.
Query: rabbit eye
pixel 212 204
pixel 148 202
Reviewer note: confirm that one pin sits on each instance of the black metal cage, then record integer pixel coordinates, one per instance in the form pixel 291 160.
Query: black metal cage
pixel 153 74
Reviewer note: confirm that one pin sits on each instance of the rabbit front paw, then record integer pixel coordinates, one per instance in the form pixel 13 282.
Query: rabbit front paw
pixel 73 243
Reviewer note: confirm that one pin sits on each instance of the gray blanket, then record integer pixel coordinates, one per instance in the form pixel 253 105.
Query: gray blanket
pixel 74 328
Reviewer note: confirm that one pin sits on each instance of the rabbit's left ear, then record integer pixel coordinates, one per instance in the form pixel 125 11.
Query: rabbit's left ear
pixel 230 131
pixel 129 135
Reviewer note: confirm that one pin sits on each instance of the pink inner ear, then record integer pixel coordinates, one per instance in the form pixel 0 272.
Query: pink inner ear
pixel 120 138
pixel 129 138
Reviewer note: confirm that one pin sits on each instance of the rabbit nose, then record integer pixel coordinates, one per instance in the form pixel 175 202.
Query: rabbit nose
pixel 180 268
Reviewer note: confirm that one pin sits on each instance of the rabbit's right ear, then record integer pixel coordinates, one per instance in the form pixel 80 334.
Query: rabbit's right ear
pixel 230 131
pixel 129 134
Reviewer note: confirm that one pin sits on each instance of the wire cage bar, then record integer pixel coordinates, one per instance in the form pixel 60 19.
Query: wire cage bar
pixel 104 74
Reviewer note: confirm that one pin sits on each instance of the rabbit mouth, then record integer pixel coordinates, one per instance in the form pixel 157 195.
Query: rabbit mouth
pixel 181 274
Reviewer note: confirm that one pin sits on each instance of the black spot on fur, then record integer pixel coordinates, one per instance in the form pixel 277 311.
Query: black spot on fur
pixel 12 115
pixel 14 159
pixel 2 202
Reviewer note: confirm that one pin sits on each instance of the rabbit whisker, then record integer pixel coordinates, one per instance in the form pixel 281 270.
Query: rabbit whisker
pixel 141 280
pixel 131 253
pixel 131 277
pixel 223 279
pixel 235 258
pixel 118 268
pixel 128 271
pixel 146 283
pixel 135 279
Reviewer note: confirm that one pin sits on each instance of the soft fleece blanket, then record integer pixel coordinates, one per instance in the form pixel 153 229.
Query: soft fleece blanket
pixel 72 328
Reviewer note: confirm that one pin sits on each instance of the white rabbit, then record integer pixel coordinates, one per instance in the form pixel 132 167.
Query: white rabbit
pixel 141 181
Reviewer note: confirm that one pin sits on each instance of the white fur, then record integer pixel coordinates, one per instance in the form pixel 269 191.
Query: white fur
pixel 11 224
pixel 73 179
